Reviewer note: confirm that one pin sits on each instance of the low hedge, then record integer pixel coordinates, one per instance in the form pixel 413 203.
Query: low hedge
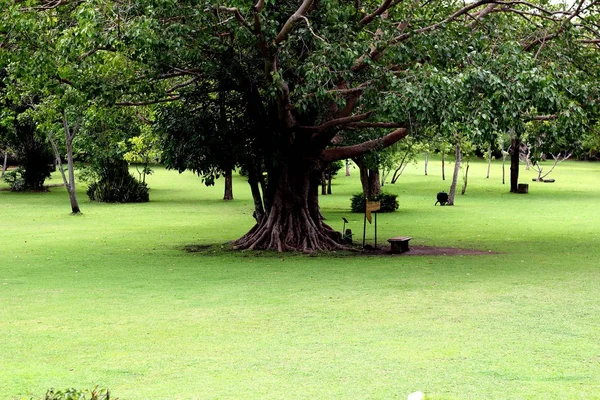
pixel 389 202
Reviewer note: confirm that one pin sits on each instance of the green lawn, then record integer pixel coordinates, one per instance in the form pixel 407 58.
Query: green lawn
pixel 109 298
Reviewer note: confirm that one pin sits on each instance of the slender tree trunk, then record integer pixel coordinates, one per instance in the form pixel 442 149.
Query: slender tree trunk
pixel 514 164
pixel 329 179
pixel 323 182
pixel 443 166
pixel 347 167
pixel 4 163
pixel 489 163
pixel 426 162
pixel 504 154
pixel 71 186
pixel 259 210
pixel 454 176
pixel 70 182
pixel 398 171
pixel 228 195
pixel 464 188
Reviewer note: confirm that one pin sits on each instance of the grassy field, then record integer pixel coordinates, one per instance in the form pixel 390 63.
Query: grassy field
pixel 109 298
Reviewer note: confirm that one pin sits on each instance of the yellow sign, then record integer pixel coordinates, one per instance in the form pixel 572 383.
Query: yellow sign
pixel 370 207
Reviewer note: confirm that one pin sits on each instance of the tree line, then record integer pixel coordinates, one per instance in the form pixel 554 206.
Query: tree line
pixel 282 89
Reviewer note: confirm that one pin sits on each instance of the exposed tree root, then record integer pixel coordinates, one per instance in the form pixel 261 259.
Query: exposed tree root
pixel 291 232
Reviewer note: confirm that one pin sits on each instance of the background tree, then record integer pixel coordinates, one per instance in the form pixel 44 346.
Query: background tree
pixel 141 151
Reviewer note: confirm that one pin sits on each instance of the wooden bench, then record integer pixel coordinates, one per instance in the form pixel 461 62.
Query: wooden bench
pixel 399 244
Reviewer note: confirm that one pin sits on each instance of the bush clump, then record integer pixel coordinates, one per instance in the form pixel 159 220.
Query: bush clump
pixel 15 180
pixel 74 394
pixel 389 202
pixel 116 185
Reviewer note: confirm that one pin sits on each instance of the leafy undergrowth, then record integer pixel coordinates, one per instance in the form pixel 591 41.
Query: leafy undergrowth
pixel 111 296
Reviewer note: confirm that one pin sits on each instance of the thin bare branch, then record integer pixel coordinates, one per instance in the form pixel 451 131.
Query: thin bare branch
pixel 236 12
pixel 94 51
pixel 311 30
pixel 380 10
pixel 184 84
pixel 289 24
pixel 550 117
pixel 360 125
pixel 147 102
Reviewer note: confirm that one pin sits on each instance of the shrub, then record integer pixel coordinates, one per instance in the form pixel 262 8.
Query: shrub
pixel 33 156
pixel 389 202
pixel 17 183
pixel 116 185
pixel 74 394
pixel 15 180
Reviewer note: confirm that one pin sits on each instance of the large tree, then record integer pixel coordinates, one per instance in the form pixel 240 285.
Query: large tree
pixel 307 72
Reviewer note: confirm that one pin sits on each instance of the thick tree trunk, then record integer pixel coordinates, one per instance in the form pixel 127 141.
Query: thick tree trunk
pixel 374 188
pixel 228 195
pixel 514 164
pixel 369 179
pixel 426 162
pixel 4 163
pixel 294 221
pixel 454 177
pixel 443 166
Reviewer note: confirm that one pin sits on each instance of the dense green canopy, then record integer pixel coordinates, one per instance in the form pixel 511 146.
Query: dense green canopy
pixel 288 80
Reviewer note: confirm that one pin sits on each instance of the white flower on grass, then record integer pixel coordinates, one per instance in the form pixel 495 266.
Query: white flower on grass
pixel 416 396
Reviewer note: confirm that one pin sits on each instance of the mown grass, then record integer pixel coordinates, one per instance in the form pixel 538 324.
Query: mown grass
pixel 110 298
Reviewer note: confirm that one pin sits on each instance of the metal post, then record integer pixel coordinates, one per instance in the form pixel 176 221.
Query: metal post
pixel 375 230
pixel 365 223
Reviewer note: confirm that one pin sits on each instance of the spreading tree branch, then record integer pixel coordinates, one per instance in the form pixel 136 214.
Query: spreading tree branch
pixel 341 153
pixel 335 123
pixel 367 19
pixel 289 24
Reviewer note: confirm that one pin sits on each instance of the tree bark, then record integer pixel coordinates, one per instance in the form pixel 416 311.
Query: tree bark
pixel 71 186
pixel 347 167
pixel 70 182
pixel 4 163
pixel 329 179
pixel 294 221
pixel 489 162
pixel 454 176
pixel 323 182
pixel 443 166
pixel 259 210
pixel 228 195
pixel 504 153
pixel 514 163
pixel 466 181
pixel 369 179
pixel 374 188
pixel 426 162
